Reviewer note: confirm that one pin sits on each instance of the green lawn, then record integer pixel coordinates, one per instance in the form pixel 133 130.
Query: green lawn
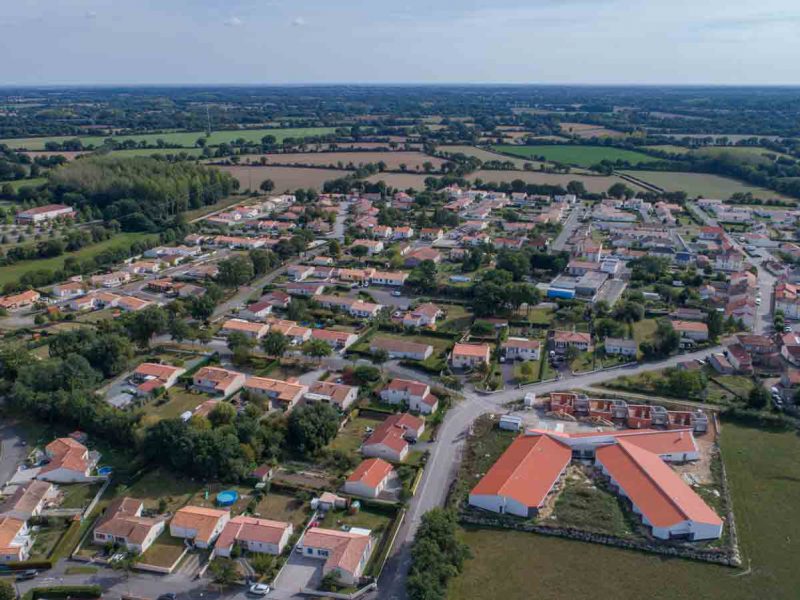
pixel 584 362
pixel 582 156
pixel 180 401
pixel 183 139
pixel 283 507
pixel 764 472
pixel 375 521
pixel 520 376
pixel 78 495
pixel 20 183
pixel 47 537
pixel 350 438
pixel 645 330
pixel 162 484
pixel 14 272
pixel 458 318
pixel 164 551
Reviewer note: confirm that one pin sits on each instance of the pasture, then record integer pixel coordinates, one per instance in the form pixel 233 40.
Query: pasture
pixel 21 183
pixel 582 156
pixel 487 155
pixel 764 474
pixel 285 178
pixel 413 161
pixel 702 185
pixel 589 130
pixel 593 183
pixel 184 139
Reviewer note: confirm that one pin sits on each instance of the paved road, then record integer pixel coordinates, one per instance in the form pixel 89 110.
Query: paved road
pixel 12 452
pixel 570 225
pixel 445 455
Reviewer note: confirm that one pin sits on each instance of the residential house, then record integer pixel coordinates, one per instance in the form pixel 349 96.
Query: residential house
pixel 253 535
pixel 69 462
pixel 571 339
pixel 431 234
pixel 420 255
pixel 258 311
pixel 338 394
pixel 151 376
pixel 297 334
pixel 373 246
pixel 15 540
pixel 338 340
pixel 369 479
pixel 122 523
pixel 299 272
pixel 402 349
pixel 403 233
pixel 39 214
pixel 787 300
pixel 416 394
pixel 388 441
pixel 424 315
pixel 470 355
pixel 521 348
pixel 790 384
pixel 248 328
pixel 391 278
pixel 692 330
pixel 70 289
pixel 740 359
pixel 28 500
pixel 283 395
pixel 621 347
pixel 216 380
pixel 199 525
pixel 21 300
pixel 345 553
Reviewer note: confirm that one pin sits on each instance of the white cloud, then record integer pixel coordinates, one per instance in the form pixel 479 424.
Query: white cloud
pixel 233 22
pixel 298 22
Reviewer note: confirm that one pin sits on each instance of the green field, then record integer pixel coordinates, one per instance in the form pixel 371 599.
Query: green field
pixel 13 272
pixel 184 139
pixel 764 472
pixel 582 156
pixel 702 185
pixel 19 183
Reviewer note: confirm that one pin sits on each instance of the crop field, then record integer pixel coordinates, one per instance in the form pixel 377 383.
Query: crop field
pixel 394 160
pixel 285 178
pixel 593 183
pixel 753 154
pixel 186 139
pixel 669 148
pixel 14 272
pixel 764 473
pixel 487 155
pixel 582 156
pixel 20 183
pixel 702 185
pixel 401 181
pixel 589 130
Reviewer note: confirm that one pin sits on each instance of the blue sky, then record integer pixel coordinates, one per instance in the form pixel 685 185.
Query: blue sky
pixel 436 41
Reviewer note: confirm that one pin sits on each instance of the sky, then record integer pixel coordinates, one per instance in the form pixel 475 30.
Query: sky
pixel 67 42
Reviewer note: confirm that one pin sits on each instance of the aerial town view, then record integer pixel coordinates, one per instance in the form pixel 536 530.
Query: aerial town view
pixel 293 314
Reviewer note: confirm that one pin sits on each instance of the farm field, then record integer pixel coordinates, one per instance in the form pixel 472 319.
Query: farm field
pixel 763 469
pixel 593 183
pixel 487 155
pixel 702 185
pixel 285 178
pixel 582 156
pixel 732 137
pixel 393 160
pixel 185 139
pixel 20 183
pixel 669 148
pixel 754 154
pixel 13 272
pixel 589 130
pixel 401 181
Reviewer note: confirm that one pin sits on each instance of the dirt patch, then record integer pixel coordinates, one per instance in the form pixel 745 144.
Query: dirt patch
pixel 413 161
pixel 285 178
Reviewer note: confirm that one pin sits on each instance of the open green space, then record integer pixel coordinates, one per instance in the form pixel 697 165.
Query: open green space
pixel 46 538
pixel 185 139
pixel 282 507
pixel 13 272
pixel 20 183
pixel 164 551
pixel 645 330
pixel 368 519
pixel 349 439
pixel 180 401
pixel 702 184
pixel 160 484
pixel 764 474
pixel 78 495
pixel 582 156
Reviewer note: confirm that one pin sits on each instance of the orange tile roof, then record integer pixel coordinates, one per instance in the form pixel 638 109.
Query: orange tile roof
pixel 251 529
pixel 68 454
pixel 411 386
pixel 346 549
pixel 162 372
pixel 9 529
pixel 202 520
pixel 391 431
pixel 526 471
pixel 244 326
pixel 371 472
pixel 689 326
pixel 285 391
pixel 653 487
pixel 479 350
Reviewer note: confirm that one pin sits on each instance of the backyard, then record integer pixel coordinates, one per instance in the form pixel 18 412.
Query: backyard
pixel 349 439
pixel 164 551
pixel 281 506
pixel 764 471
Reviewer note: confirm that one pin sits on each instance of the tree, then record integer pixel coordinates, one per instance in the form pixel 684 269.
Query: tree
pixel 144 324
pixel 275 344
pixel 758 398
pixel 223 571
pixel 235 271
pixel 263 260
pixel 316 348
pixel 358 251
pixel 312 427
pixel 620 190
pixel 715 324
pixel 436 555
pixel 667 339
pixel 178 329
pixel 224 413
pixel 629 312
pixel 335 248
pixel 423 276
pixel 267 185
pixel 7 591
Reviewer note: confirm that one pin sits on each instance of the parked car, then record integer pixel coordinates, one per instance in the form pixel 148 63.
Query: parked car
pixel 397 293
pixel 27 575
pixel 787 329
pixel 259 589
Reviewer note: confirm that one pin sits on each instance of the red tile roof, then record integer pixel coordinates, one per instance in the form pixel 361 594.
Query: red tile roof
pixel 371 472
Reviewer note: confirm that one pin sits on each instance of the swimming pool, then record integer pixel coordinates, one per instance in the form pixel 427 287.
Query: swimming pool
pixel 227 497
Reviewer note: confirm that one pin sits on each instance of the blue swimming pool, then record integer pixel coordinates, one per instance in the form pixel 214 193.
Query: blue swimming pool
pixel 227 497
pixel 104 471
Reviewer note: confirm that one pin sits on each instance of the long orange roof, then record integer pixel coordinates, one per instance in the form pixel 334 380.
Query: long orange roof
pixel 526 471
pixel 653 487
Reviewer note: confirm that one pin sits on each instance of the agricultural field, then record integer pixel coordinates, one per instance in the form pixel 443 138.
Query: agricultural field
pixel 593 183
pixel 185 139
pixel 413 161
pixel 20 183
pixel 702 185
pixel 13 272
pixel 487 155
pixel 582 156
pixel 751 154
pixel 401 181
pixel 669 148
pixel 286 178
pixel 763 470
pixel 589 130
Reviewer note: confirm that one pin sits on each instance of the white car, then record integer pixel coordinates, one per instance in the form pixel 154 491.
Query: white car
pixel 397 293
pixel 259 589
pixel 758 300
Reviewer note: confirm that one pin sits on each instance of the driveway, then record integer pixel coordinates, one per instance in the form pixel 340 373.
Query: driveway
pixel 299 572
pixel 12 452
